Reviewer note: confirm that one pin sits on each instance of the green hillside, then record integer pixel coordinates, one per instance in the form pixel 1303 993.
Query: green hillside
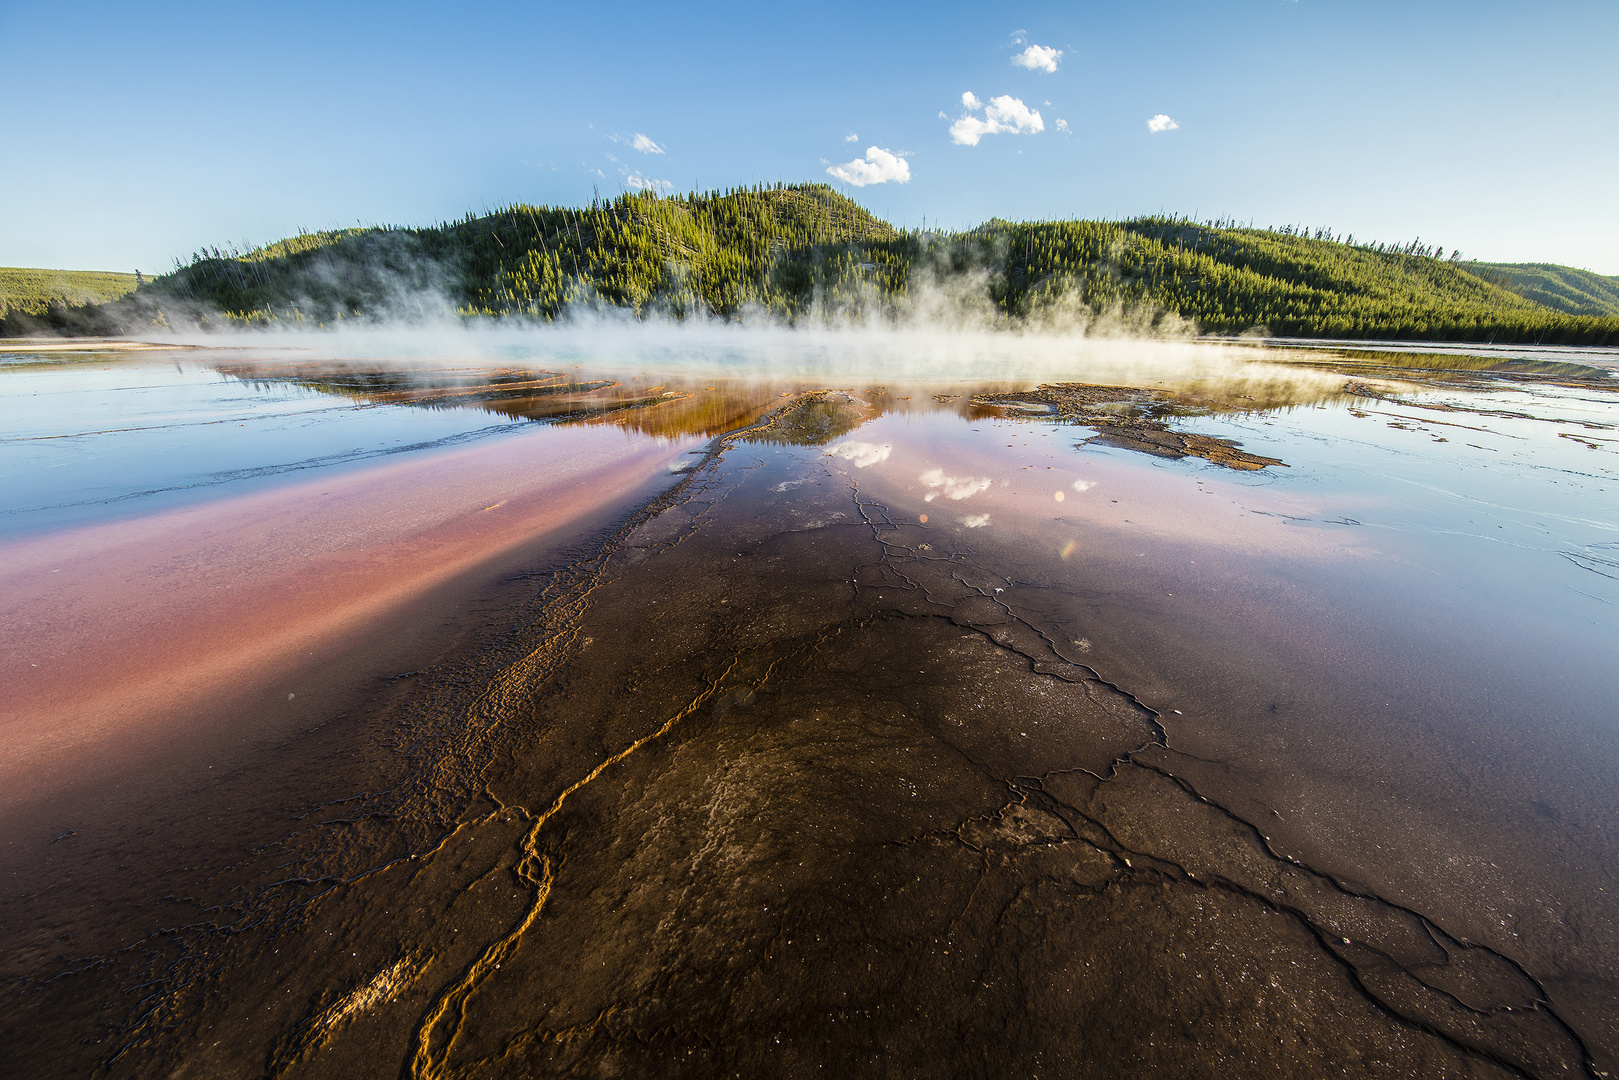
pixel 30 290
pixel 719 252
pixel 804 252
pixel 1562 288
pixel 1295 285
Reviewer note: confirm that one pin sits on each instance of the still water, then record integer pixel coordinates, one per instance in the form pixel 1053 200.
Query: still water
pixel 708 704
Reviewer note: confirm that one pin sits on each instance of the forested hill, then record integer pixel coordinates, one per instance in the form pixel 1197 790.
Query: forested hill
pixel 1563 288
pixel 1295 285
pixel 804 252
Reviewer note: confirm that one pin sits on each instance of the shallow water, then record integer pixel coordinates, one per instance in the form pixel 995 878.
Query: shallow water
pixel 906 731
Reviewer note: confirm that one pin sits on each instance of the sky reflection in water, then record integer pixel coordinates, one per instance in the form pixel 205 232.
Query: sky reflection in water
pixel 1380 652
pixel 84 437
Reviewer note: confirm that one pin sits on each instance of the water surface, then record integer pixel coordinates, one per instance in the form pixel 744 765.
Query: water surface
pixel 925 722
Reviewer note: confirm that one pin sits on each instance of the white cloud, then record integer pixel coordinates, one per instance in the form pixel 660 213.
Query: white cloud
pixel 862 454
pixel 879 167
pixel 643 183
pixel 1062 126
pixel 851 137
pixel 1084 485
pixel 953 487
pixel 1004 114
pixel 1161 122
pixel 975 521
pixel 1038 58
pixel 645 145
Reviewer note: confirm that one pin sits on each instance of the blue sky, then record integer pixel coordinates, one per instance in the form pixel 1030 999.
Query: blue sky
pixel 137 133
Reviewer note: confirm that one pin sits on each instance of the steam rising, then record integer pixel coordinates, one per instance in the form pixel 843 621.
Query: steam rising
pixel 946 329
pixel 920 350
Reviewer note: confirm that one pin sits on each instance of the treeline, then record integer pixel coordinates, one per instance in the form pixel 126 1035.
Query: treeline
pixel 804 252
pixel 1413 247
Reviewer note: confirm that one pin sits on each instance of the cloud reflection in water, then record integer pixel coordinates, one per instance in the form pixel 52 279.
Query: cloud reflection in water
pixel 953 487
pixel 862 454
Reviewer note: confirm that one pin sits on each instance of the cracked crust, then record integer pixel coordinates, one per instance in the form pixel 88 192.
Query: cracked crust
pixel 878 821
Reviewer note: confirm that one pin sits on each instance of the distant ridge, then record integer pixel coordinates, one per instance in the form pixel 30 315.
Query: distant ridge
pixel 805 252
pixel 32 291
pixel 1562 288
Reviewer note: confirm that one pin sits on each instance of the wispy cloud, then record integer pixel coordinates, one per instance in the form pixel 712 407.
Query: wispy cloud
pixel 1062 126
pixel 879 167
pixel 646 183
pixel 1003 115
pixel 1038 58
pixel 1161 122
pixel 851 137
pixel 635 142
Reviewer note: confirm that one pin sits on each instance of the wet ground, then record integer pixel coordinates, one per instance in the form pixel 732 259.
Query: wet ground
pixel 959 726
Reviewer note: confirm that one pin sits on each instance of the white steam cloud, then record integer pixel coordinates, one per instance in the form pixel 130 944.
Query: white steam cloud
pixel 1038 58
pixel 879 167
pixel 1161 122
pixel 1003 115
pixel 645 145
pixel 975 521
pixel 936 344
pixel 947 328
